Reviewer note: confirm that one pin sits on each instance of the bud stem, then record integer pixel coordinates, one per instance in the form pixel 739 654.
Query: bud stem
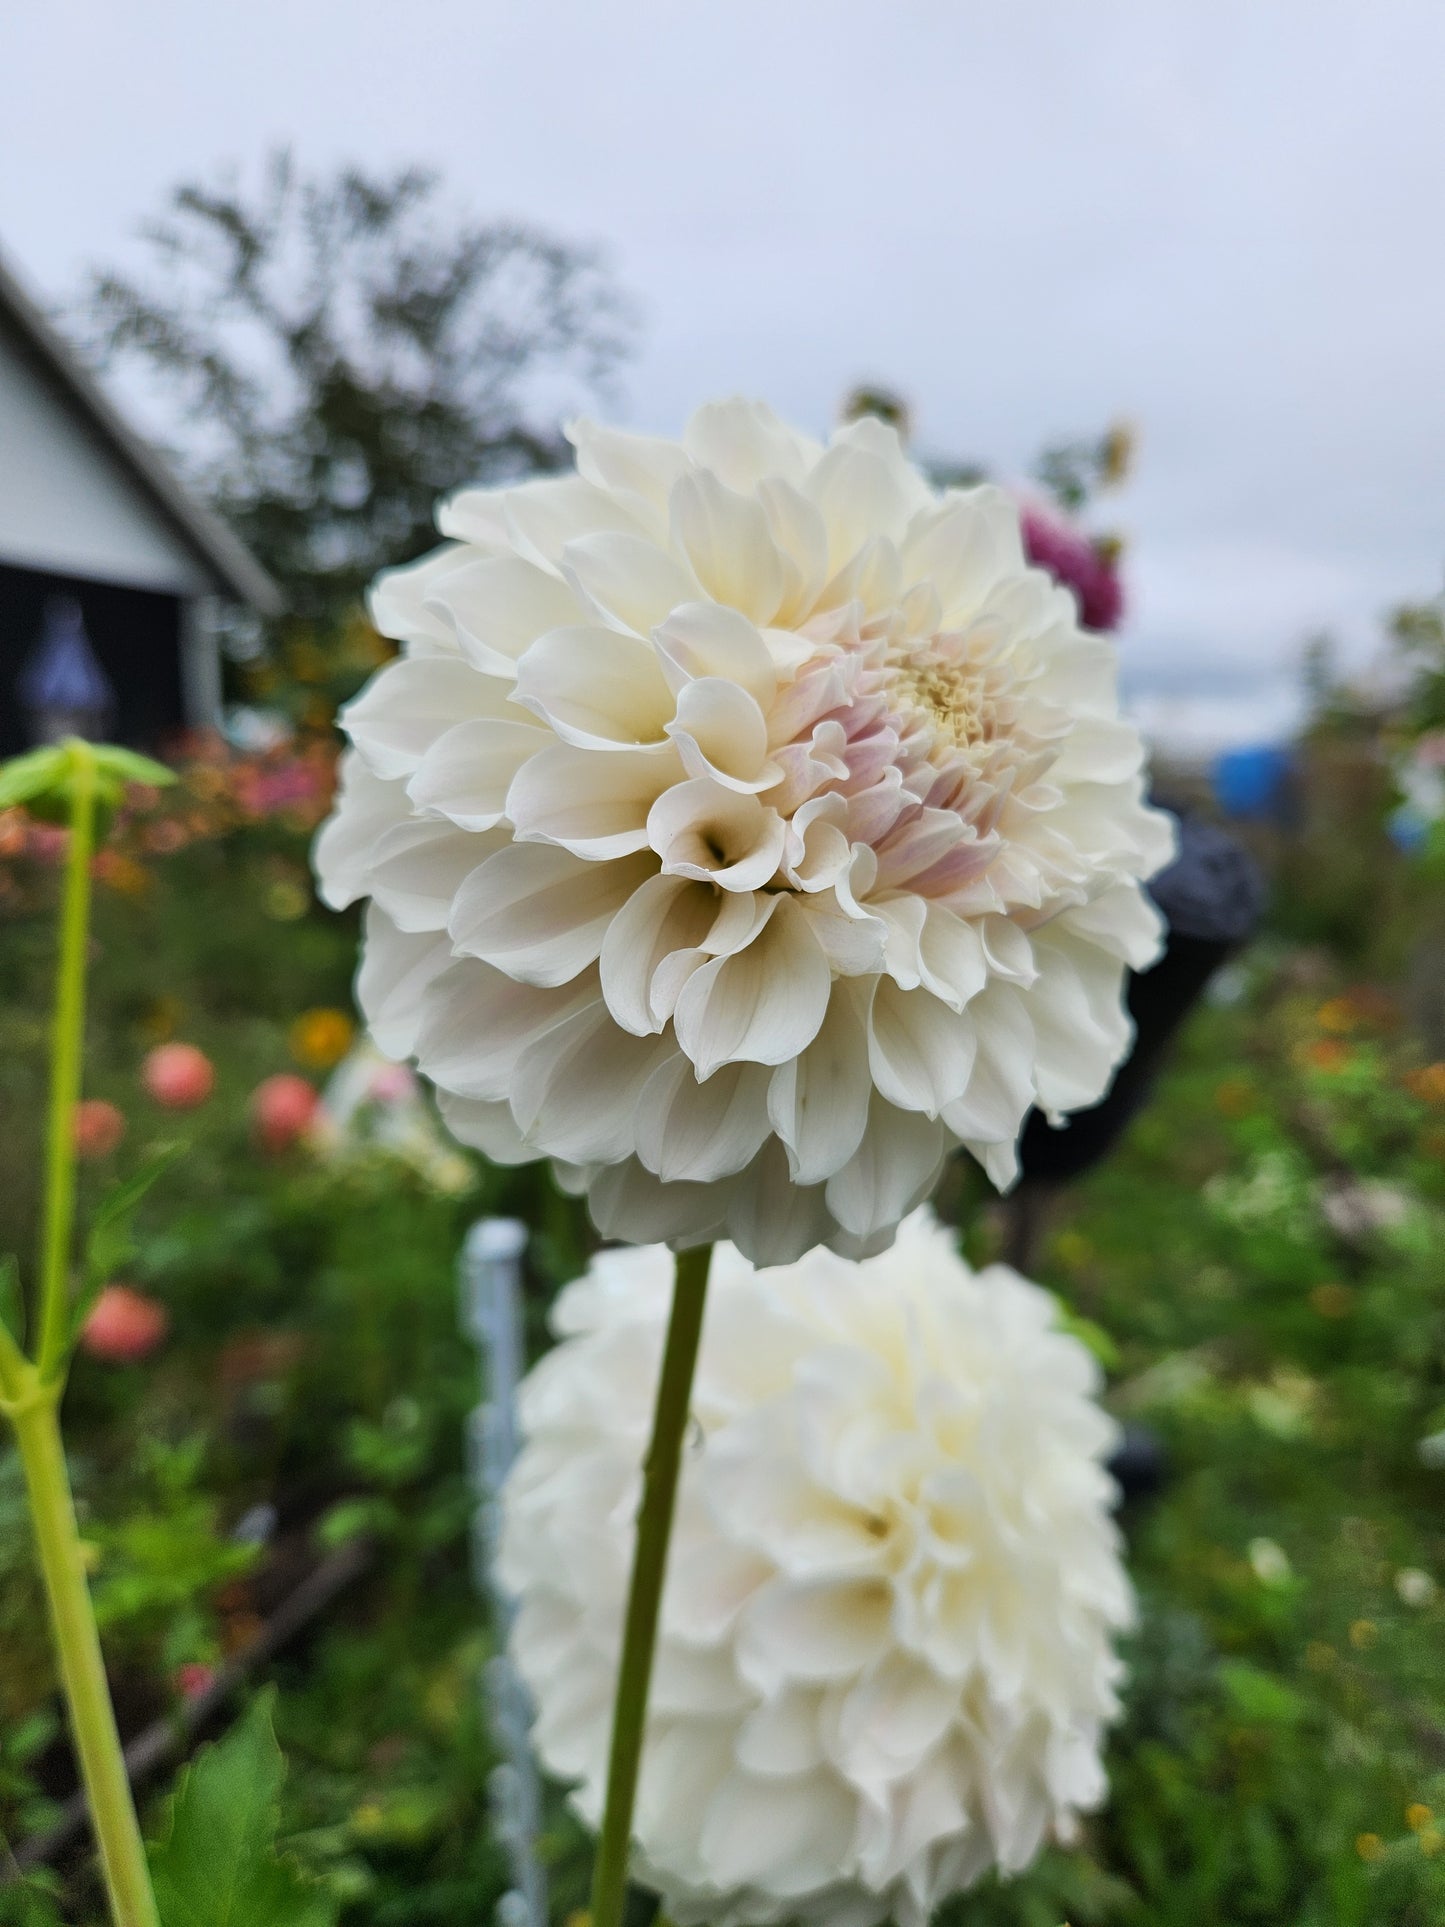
pixel 649 1567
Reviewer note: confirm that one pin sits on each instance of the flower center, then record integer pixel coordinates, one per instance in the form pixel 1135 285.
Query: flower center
pixel 948 694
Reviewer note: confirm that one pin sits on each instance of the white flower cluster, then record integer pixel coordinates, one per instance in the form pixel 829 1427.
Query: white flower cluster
pixel 885 1659
pixel 746 826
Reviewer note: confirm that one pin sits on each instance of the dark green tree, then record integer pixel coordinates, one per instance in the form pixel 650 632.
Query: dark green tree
pixel 341 351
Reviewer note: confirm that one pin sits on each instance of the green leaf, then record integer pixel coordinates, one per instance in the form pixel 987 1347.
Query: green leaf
pixel 111 1241
pixel 32 775
pixel 218 1865
pixel 111 760
pixel 1260 1697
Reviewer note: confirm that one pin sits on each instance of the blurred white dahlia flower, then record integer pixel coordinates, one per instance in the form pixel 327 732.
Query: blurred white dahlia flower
pixel 745 825
pixel 885 1660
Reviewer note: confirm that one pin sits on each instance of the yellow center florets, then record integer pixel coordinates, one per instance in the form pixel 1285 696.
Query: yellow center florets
pixel 948 693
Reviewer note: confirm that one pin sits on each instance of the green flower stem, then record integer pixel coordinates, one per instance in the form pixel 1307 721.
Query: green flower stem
pixel 66 1059
pixel 82 1671
pixel 30 1395
pixel 649 1566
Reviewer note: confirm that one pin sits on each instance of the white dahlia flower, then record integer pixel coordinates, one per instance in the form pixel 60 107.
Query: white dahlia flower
pixel 885 1659
pixel 746 825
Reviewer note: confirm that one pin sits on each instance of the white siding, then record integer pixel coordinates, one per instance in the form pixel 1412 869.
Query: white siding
pixel 65 501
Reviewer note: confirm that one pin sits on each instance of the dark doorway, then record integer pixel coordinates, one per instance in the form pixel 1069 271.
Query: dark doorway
pixel 136 633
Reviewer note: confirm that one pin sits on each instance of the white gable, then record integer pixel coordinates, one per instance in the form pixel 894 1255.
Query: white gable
pixel 67 502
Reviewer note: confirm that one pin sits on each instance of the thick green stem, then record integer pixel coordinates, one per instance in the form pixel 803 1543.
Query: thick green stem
pixel 649 1567
pixel 82 1670
pixel 66 1059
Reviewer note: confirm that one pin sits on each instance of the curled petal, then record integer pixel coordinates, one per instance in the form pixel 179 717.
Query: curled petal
pixel 720 732
pixel 762 1005
pixel 717 835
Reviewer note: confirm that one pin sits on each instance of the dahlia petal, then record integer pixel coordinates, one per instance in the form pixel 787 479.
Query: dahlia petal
pixel 467 771
pixel 498 606
pixel 963 547
pixel 626 1201
pixel 859 493
pixel 1001 1089
pixel 540 913
pixel 951 960
pixel 1121 921
pixel 700 1132
pixel 725 536
pixel 890 1171
pixel 800 536
pixel 543 517
pixel 595 805
pixel 920 1052
pixel 817 851
pixel 789 1834
pixel 886 1725
pixel 721 732
pixel 812 1630
pixel 366 808
pixel 1080 1025
pixel 612 458
pixel 417 867
pixel 488 1128
pixel 409 704
pixel 781 1735
pixel 597 689
pixel 771 1220
pixel 744 443
pixel 707 1587
pixel 478 517
pixel 399 603
pixel 629 581
pixel 397 969
pixel 664 916
pixel 702 829
pixel 573 1089
pixel 704 639
pixel 1099 749
pixel 764 1004
pixel 479 1021
pixel 818 1100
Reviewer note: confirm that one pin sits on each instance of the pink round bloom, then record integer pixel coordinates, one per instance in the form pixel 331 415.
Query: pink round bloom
pixel 99 1128
pixel 1078 563
pixel 283 1109
pixel 194 1678
pixel 124 1326
pixel 178 1076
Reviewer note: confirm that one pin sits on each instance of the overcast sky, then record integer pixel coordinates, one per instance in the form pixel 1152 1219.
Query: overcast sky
pixel 1222 221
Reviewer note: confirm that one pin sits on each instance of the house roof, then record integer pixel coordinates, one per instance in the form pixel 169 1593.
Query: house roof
pixel 220 553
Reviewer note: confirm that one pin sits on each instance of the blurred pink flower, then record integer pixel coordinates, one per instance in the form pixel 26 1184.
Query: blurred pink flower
pixel 124 1326
pixel 178 1076
pixel 391 1084
pixel 1078 563
pixel 99 1128
pixel 283 1109
pixel 194 1678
